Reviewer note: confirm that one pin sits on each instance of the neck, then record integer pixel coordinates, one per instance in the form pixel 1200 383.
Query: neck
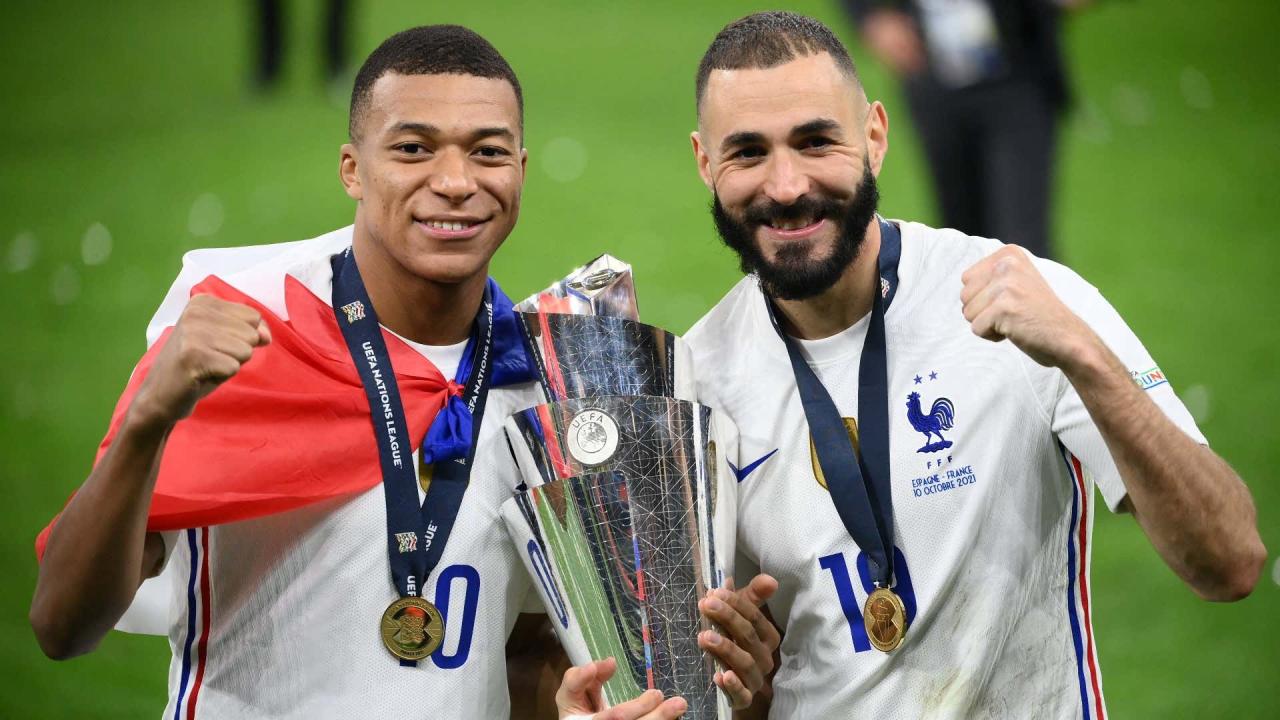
pixel 841 305
pixel 422 310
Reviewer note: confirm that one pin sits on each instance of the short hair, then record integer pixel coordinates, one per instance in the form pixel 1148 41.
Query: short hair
pixel 430 50
pixel 769 39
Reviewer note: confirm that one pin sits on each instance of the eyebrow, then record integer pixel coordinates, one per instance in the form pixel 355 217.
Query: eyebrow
pixel 423 128
pixel 751 137
pixel 813 127
pixel 489 132
pixel 746 137
pixel 477 134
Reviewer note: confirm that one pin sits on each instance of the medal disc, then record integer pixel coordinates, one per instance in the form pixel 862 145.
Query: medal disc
pixel 885 618
pixel 412 628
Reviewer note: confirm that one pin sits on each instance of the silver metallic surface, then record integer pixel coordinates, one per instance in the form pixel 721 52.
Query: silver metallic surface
pixel 627 521
pixel 586 355
pixel 603 286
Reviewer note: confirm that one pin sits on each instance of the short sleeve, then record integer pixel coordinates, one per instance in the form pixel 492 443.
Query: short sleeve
pixel 148 614
pixel 1071 421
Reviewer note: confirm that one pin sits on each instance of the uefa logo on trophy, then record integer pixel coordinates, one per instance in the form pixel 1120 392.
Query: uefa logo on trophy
pixel 626 515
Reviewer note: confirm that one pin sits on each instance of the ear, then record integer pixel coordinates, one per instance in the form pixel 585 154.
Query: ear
pixel 349 171
pixel 703 160
pixel 524 163
pixel 877 134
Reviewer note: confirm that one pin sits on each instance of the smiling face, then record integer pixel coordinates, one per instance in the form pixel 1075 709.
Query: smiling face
pixel 790 154
pixel 437 168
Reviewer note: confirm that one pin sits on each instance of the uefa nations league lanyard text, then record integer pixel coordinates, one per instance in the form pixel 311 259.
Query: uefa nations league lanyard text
pixel 416 534
pixel 859 486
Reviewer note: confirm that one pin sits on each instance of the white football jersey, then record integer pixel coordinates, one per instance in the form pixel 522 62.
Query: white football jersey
pixel 278 617
pixel 994 460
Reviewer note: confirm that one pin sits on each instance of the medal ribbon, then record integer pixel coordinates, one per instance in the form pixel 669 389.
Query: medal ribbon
pixel 416 534
pixel 858 483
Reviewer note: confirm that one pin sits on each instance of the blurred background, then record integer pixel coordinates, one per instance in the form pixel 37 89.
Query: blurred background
pixel 135 131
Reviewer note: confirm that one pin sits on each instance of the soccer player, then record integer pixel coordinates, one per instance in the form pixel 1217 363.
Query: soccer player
pixel 924 417
pixel 241 453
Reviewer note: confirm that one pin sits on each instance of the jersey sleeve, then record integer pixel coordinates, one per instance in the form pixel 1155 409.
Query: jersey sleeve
pixel 1071 421
pixel 233 262
pixel 148 614
pixel 194 269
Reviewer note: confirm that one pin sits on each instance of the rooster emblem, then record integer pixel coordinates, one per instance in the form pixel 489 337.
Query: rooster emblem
pixel 941 417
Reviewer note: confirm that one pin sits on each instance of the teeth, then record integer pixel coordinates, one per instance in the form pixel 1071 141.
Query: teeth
pixel 445 225
pixel 792 224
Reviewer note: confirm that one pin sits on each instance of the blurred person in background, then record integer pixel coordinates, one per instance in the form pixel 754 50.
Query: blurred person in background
pixel 986 83
pixel 270 45
pixel 924 418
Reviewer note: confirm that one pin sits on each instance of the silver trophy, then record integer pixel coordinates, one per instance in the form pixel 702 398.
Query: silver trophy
pixel 601 287
pixel 628 520
pixel 626 515
pixel 586 341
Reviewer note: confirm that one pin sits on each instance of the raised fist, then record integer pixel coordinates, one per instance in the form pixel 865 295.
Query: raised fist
pixel 210 342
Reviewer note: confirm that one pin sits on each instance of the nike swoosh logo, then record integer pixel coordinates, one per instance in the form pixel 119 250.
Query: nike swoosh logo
pixel 749 468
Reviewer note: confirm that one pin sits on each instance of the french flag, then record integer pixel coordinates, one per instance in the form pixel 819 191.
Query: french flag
pixel 290 429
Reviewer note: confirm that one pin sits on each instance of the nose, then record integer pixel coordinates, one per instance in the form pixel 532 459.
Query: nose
pixel 451 177
pixel 786 182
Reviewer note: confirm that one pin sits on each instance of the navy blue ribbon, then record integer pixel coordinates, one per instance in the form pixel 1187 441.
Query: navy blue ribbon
pixel 417 534
pixel 858 482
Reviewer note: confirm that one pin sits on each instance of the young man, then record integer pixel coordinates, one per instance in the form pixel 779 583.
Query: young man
pixel 241 455
pixel 943 478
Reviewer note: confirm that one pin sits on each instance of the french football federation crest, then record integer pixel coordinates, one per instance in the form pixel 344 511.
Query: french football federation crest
pixel 354 311
pixel 941 417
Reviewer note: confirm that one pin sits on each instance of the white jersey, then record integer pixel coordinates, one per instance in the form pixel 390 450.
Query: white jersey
pixel 278 617
pixel 993 508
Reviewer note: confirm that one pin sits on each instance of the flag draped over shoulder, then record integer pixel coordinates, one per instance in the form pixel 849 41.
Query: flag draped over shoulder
pixel 293 427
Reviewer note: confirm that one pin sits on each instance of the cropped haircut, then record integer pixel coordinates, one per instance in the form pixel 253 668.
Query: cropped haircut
pixel 768 39
pixel 429 50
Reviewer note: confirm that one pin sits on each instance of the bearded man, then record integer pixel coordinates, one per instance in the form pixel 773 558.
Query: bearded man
pixel 924 417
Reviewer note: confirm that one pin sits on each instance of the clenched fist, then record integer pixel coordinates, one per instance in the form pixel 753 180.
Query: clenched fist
pixel 1005 297
pixel 209 343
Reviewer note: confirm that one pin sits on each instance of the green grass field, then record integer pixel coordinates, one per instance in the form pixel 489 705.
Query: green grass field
pixel 129 137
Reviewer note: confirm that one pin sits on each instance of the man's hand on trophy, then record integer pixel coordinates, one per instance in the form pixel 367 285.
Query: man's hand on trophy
pixel 748 651
pixel 580 697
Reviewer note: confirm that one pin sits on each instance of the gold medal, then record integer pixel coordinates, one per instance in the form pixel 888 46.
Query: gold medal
pixel 851 427
pixel 412 628
pixel 885 618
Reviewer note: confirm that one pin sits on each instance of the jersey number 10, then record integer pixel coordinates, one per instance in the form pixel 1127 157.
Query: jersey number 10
pixel 851 606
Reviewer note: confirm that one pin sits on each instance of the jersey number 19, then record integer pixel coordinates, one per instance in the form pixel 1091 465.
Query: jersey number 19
pixel 850 605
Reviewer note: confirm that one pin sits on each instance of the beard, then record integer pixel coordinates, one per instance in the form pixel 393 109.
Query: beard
pixel 793 275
